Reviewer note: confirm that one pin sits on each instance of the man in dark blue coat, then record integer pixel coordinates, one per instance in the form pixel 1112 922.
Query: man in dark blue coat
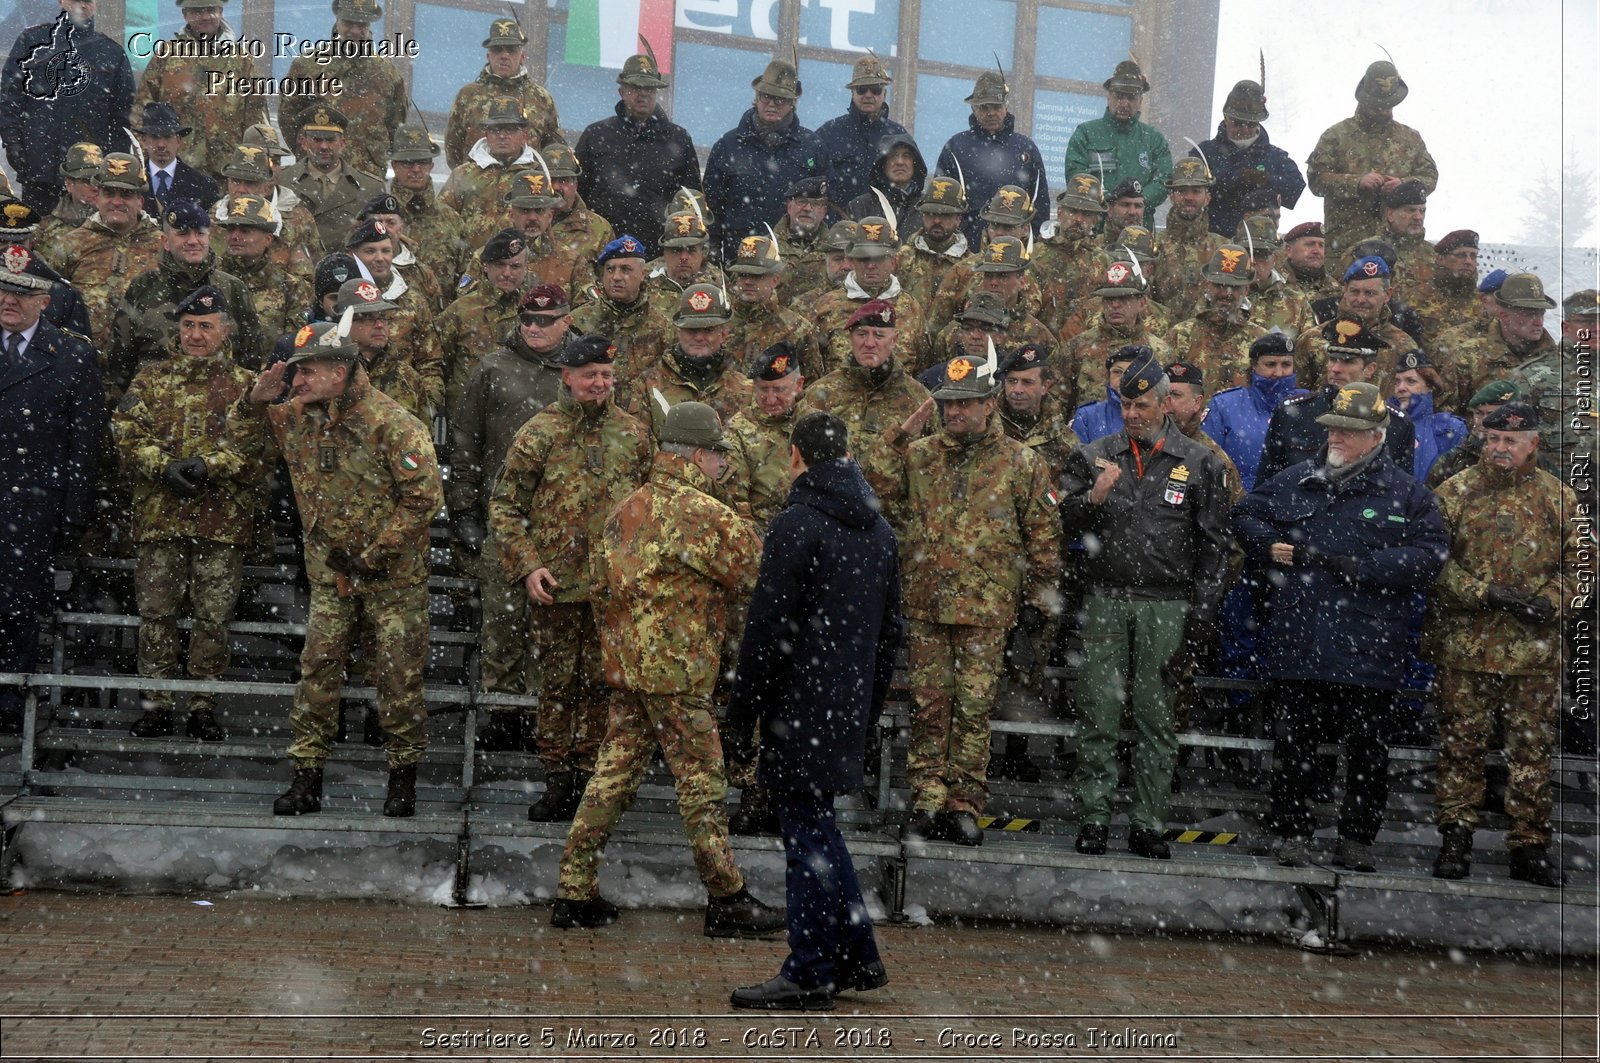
pixel 814 670
pixel 751 166
pixel 19 223
pixel 63 84
pixel 1345 541
pixel 52 415
pixel 1243 158
pixel 991 154
pixel 853 140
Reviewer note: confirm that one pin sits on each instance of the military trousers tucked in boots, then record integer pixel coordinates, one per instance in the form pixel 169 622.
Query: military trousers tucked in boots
pixel 1468 705
pixel 955 674
pixel 209 574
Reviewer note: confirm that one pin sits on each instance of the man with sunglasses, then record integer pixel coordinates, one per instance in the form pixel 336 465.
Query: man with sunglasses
pixel 1242 157
pixel 851 140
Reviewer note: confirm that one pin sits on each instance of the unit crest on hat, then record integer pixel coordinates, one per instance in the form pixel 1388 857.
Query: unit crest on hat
pixel 16 259
pixel 958 369
pixel 700 302
pixel 1230 259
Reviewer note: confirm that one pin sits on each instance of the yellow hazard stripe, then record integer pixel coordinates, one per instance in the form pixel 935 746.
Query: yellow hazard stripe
pixel 1202 837
pixel 995 823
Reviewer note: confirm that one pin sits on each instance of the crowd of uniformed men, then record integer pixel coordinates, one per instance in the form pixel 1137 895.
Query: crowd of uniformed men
pixel 1320 458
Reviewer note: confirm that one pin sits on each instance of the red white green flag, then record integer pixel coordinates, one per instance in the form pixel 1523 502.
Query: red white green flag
pixel 605 32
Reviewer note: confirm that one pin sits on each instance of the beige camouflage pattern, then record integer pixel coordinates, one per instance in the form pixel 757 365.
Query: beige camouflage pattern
pixel 757 326
pixel 100 263
pixel 728 392
pixel 573 697
pixel 1479 357
pixel 955 675
pixel 1219 344
pixel 1080 365
pixel 208 575
pixel 641 333
pixel 438 237
pixel 282 295
pixel 464 127
pixel 1470 703
pixel 582 232
pixel 1181 256
pixel 475 324
pixel 1069 270
pixel 833 310
pixel 373 101
pixel 333 199
pixel 759 458
pixel 1344 154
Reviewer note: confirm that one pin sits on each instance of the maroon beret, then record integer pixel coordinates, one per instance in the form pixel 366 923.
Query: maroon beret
pixel 1451 241
pixel 1305 228
pixel 875 313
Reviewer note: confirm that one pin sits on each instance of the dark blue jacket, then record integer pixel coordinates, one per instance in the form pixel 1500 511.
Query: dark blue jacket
pixel 1238 171
pixel 990 161
pixel 907 218
pixel 631 170
pixel 747 178
pixel 852 146
pixel 824 627
pixel 76 87
pixel 52 421
pixel 1096 420
pixel 1321 626
pixel 1293 434
pixel 1237 419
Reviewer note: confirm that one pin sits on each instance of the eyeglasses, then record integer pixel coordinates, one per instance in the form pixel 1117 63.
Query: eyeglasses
pixel 541 320
pixel 765 98
pixel 868 90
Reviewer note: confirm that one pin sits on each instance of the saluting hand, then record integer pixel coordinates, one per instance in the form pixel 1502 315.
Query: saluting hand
pixel 269 385
pixel 912 426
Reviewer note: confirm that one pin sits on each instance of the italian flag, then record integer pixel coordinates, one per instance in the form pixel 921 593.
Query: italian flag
pixel 605 32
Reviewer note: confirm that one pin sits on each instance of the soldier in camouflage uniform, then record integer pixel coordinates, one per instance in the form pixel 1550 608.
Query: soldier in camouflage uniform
pixel 700 366
pixel 1450 297
pixel 479 188
pixel 410 329
pixel 81 197
pixel 503 75
pixel 281 296
pixel 622 312
pixel 325 182
pixel 576 228
pixel 1003 274
pixel 668 558
pixel 367 487
pixel 405 261
pixel 504 392
pixel 758 435
pixel 801 233
pixel 1009 213
pixel 928 253
pixel 760 320
pixel 1488 399
pixel 529 207
pixel 983 323
pixel 1559 381
pixel 1359 160
pixel 982 541
pixel 685 250
pixel 1273 304
pixel 1069 259
pixel 835 265
pixel 373 96
pixel 1218 337
pixel 1079 367
pixel 480 319
pixel 871 395
pixel 1405 209
pixel 566 469
pixel 1516 557
pixel 1364 298
pixel 1304 252
pixel 193 502
pixel 192 83
pixel 436 229
pixel 1517 336
pixel 1187 243
pixel 372 326
pixel 249 173
pixel 118 241
pixel 874 254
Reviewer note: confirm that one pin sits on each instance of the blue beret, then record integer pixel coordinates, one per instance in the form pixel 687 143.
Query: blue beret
pixel 186 214
pixel 624 246
pixel 1370 266
pixel 1492 281
pixel 1274 342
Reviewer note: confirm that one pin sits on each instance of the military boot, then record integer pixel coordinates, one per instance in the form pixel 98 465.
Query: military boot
pixel 740 915
pixel 755 814
pixel 155 723
pixel 922 827
pixel 566 913
pixel 304 795
pixel 203 725
pixel 580 783
pixel 402 800
pixel 961 828
pixel 1455 855
pixel 1530 863
pixel 552 807
pixel 501 733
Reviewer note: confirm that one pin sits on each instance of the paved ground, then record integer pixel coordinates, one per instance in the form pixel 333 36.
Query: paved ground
pixel 129 977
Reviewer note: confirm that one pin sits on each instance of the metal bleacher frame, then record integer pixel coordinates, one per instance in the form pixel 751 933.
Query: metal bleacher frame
pixel 471 807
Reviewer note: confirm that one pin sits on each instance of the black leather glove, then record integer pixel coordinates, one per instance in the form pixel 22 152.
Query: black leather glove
pixel 470 533
pixel 195 470
pixel 1503 599
pixel 345 563
pixel 1195 647
pixel 176 476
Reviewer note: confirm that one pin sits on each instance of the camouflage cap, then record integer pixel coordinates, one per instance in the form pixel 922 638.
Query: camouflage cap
pixel 1083 192
pixel 1494 393
pixel 202 302
pixel 683 229
pixel 757 256
pixel 121 170
pixel 840 236
pixel 986 309
pixel 775 363
pixel 530 191
pixel 1516 416
pixel 1009 206
pixel 561 161
pixel 991 87
pixel 943 195
pixel 250 212
pixel 1126 78
pixel 1349 339
pixel 503 246
pixel 1121 279
pixel 702 306
pixel 505 111
pixel 82 161
pixel 1581 304
pixel 641 72
pixel 1190 172
pixel 1259 234
pixel 779 79
pixel 693 424
pixel 248 163
pixel 505 32
pixel 1005 254
pixel 17 220
pixel 1356 406
pixel 266 136
pixel 875 238
pixel 412 144
pixel 361 296
pixel 24 273
pixel 1140 241
pixel 1381 85
pixel 357 10
pixel 869 70
pixel 1230 265
pixel 967 378
pixel 323 341
pixel 1246 102
pixel 325 123
pixel 1524 291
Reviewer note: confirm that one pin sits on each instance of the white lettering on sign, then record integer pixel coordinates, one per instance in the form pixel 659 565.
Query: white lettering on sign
pixel 758 19
pixel 839 12
pixel 727 10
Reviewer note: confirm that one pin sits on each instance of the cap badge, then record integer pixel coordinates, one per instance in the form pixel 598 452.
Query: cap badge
pixel 750 247
pixel 1346 330
pixel 1342 401
pixel 1230 259
pixel 303 337
pixel 207 301
pixel 780 365
pixel 1008 199
pixel 873 232
pixel 367 292
pixel 1370 269
pixel 700 302
pixel 1083 184
pixel 1117 273
pixel 958 369
pixel 16 259
pixel 16 213
pixel 117 167
pixel 240 208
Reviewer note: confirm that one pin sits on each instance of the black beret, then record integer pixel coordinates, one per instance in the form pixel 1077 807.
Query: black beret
pixel 588 350
pixel 1133 352
pixel 1129 189
pixel 1514 417
pixel 200 302
pixel 1414 359
pixel 503 245
pixel 1028 356
pixel 809 188
pixel 1406 194
pixel 775 363
pixel 186 215
pixel 384 204
pixel 366 232
pixel 1186 373
pixel 333 271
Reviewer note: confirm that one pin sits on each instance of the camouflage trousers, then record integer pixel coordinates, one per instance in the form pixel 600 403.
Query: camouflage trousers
pixel 955 673
pixel 572 688
pixel 504 663
pixel 1469 703
pixel 392 628
pixel 209 574
pixel 687 731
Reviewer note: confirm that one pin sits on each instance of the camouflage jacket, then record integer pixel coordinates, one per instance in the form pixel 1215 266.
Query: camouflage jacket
pixel 392 373
pixel 464 127
pixel 1021 330
pixel 727 392
pixel 982 534
pixel 922 266
pixel 1516 530
pixel 296 240
pixel 549 264
pixel 961 280
pixel 1049 435
pixel 834 309
pixel 1181 254
pixel 567 469
pixel 142 332
pixel 641 334
pixel 1069 271
pixel 99 263
pixel 759 459
pixel 506 390
pixel 219 116
pixel 373 100
pixel 282 296
pixel 472 326
pixel 1414 264
pixel 178 408
pixel 412 336
pixel 476 190
pixel 67 216
pixel 1443 304
pixel 1278 306
pixel 333 199
pixel 804 262
pixel 1079 367
pixel 760 325
pixel 1560 382
pixel 365 479
pixel 1218 344
pixel 1311 288
pixel 1475 358
pixel 1311 355
pixel 439 235
pixel 1345 153
pixel 582 232
pixel 669 561
pixel 872 404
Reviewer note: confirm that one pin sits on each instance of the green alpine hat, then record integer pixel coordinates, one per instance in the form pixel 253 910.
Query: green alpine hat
pixel 1083 192
pixel 1009 206
pixel 943 195
pixel 412 144
pixel 360 296
pixel 702 306
pixel 990 88
pixel 250 212
pixel 1263 234
pixel 1127 78
pixel 1229 265
pixel 1121 279
pixel 1381 85
pixel 967 378
pixel 1139 240
pixel 874 238
pixel 82 160
pixel 985 307
pixel 683 229
pixel 505 32
pixel 1581 304
pixel 1246 102
pixel 1357 406
pixel 693 424
pixel 1190 172
pixel 248 163
pixel 505 111
pixel 778 79
pixel 840 236
pixel 121 170
pixel 322 341
pixel 1005 254
pixel 530 191
pixel 757 256
pixel 561 160
pixel 641 72
pixel 357 10
pixel 1524 291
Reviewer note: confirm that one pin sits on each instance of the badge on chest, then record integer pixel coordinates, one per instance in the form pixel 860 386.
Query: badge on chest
pixel 1177 486
pixel 327 458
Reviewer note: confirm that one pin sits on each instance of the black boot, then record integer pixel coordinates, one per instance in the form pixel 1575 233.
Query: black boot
pixel 1015 763
pixel 1092 839
pixel 203 725
pixel 922 827
pixel 566 913
pixel 1455 854
pixel 501 733
pixel 558 787
pixel 402 800
pixel 961 828
pixel 741 915
pixel 755 814
pixel 1149 844
pixel 304 795
pixel 580 783
pixel 1531 863
pixel 155 723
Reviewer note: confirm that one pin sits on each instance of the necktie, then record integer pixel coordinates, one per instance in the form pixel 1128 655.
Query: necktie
pixel 163 184
pixel 13 349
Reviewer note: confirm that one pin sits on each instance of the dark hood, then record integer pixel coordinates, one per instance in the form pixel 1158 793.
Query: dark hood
pixel 920 167
pixel 837 489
